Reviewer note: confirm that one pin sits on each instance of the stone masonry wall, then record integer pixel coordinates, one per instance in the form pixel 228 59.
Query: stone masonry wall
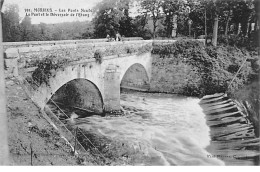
pixel 27 57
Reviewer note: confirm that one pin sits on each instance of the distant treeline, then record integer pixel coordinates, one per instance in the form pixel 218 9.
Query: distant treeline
pixel 233 21
pixel 15 30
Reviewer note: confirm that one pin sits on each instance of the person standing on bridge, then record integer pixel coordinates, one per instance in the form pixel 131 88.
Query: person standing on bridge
pixel 118 36
pixel 108 38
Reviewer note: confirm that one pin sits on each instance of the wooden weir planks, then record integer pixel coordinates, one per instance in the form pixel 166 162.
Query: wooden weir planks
pixel 219 109
pixel 228 132
pixel 223 122
pixel 220 116
pixel 207 108
pixel 213 98
pixel 217 103
pixel 231 132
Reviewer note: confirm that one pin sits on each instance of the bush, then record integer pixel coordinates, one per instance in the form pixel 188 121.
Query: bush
pixel 98 56
pixel 44 68
pixel 144 49
pixel 250 43
pixel 129 49
pixel 207 70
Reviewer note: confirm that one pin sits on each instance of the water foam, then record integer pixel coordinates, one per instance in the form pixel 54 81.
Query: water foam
pixel 170 130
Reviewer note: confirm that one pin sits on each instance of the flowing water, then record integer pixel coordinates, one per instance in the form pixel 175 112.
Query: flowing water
pixel 169 129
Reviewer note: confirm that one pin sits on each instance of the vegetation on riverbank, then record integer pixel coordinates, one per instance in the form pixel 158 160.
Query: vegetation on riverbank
pixel 249 100
pixel 189 68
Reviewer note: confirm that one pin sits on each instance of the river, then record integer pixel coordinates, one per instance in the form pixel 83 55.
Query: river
pixel 155 129
pixel 167 129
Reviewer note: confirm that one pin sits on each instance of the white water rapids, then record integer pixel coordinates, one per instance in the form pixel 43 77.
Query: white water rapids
pixel 171 130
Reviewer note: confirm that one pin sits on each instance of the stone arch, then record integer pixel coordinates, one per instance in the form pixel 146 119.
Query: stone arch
pixel 63 76
pixel 135 73
pixel 80 93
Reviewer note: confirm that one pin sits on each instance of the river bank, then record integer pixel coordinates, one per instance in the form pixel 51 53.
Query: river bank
pixel 32 139
pixel 249 100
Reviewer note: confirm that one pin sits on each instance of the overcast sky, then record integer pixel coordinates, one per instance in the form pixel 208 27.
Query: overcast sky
pixel 55 5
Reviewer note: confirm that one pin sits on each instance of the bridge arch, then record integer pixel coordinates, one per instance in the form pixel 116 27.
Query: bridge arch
pixel 135 75
pixel 90 73
pixel 81 94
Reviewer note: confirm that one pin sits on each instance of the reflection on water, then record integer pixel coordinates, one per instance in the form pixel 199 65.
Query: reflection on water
pixel 170 130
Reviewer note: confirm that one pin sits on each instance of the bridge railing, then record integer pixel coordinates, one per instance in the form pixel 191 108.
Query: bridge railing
pixel 7 45
pixel 71 51
pixel 27 57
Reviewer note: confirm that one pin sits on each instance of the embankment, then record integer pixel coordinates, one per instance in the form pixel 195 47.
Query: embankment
pixel 249 100
pixel 32 139
pixel 189 68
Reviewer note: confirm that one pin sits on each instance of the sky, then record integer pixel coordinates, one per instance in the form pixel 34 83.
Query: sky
pixel 56 6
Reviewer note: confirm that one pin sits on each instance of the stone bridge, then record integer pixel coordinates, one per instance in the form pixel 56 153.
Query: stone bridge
pixel 104 64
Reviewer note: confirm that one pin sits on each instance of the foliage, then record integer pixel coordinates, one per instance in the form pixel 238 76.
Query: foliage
pixel 26 28
pixel 45 68
pixel 211 68
pixel 16 30
pixel 11 28
pixel 140 26
pixel 153 7
pixel 144 49
pixel 112 16
pixel 98 56
pixel 173 8
pixel 129 49
pixel 250 44
pixel 235 18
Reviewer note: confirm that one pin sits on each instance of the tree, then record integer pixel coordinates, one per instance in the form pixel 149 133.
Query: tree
pixel 215 27
pixel 153 7
pixel 88 31
pixel 140 26
pixel 172 9
pixel 226 9
pixel 108 16
pixel 45 32
pixel 26 29
pixel 126 27
pixel 11 28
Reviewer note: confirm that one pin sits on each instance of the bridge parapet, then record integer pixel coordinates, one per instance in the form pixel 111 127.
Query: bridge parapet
pixel 27 57
pixel 7 45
